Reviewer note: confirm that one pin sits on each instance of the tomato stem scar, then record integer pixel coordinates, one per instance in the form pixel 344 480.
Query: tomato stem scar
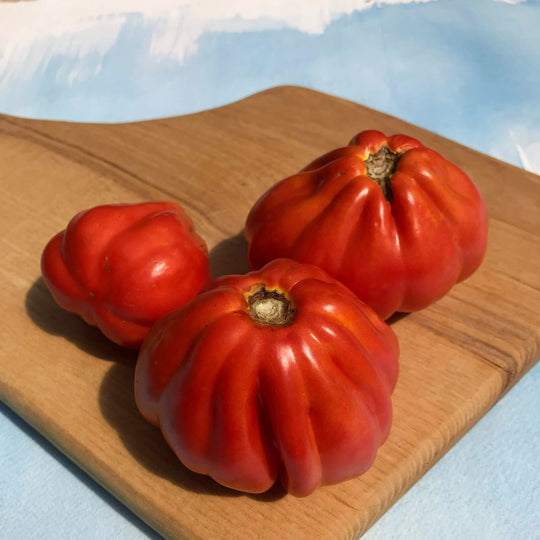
pixel 270 307
pixel 381 166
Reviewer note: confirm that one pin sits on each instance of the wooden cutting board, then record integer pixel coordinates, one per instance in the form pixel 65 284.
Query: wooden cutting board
pixel 458 357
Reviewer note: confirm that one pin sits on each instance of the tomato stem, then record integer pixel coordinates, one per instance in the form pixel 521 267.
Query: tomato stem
pixel 270 307
pixel 381 166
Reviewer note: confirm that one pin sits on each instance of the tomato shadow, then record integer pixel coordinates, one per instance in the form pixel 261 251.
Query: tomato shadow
pixel 51 318
pixel 229 256
pixel 148 446
pixel 396 317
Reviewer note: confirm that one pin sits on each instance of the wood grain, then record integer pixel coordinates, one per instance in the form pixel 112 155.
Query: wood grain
pixel 458 357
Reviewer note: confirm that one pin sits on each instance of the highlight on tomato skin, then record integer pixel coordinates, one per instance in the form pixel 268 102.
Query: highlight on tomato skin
pixel 395 221
pixel 278 373
pixel 121 267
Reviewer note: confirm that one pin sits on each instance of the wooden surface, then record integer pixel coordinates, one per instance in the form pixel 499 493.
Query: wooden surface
pixel 458 356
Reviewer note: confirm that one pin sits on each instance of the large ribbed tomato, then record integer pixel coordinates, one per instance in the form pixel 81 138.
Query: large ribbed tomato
pixel 280 372
pixel 393 220
pixel 123 266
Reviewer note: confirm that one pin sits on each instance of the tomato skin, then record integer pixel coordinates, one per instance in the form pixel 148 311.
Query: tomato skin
pixel 400 254
pixel 245 402
pixel 121 267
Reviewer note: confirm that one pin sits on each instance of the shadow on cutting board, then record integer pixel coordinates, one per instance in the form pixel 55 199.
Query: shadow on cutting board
pixel 229 256
pixel 53 319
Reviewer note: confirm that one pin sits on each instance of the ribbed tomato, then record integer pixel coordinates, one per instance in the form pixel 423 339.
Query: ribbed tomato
pixel 123 266
pixel 279 372
pixel 393 220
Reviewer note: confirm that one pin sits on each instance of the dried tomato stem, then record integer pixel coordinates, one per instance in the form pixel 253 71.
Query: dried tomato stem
pixel 270 307
pixel 381 166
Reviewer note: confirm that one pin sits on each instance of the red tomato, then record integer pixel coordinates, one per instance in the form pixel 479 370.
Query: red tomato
pixel 280 372
pixel 122 267
pixel 393 220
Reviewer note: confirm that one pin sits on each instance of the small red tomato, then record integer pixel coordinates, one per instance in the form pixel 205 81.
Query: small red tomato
pixel 123 266
pixel 393 220
pixel 281 372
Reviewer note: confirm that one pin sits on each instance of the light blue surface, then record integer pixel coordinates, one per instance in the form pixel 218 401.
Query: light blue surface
pixel 469 71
